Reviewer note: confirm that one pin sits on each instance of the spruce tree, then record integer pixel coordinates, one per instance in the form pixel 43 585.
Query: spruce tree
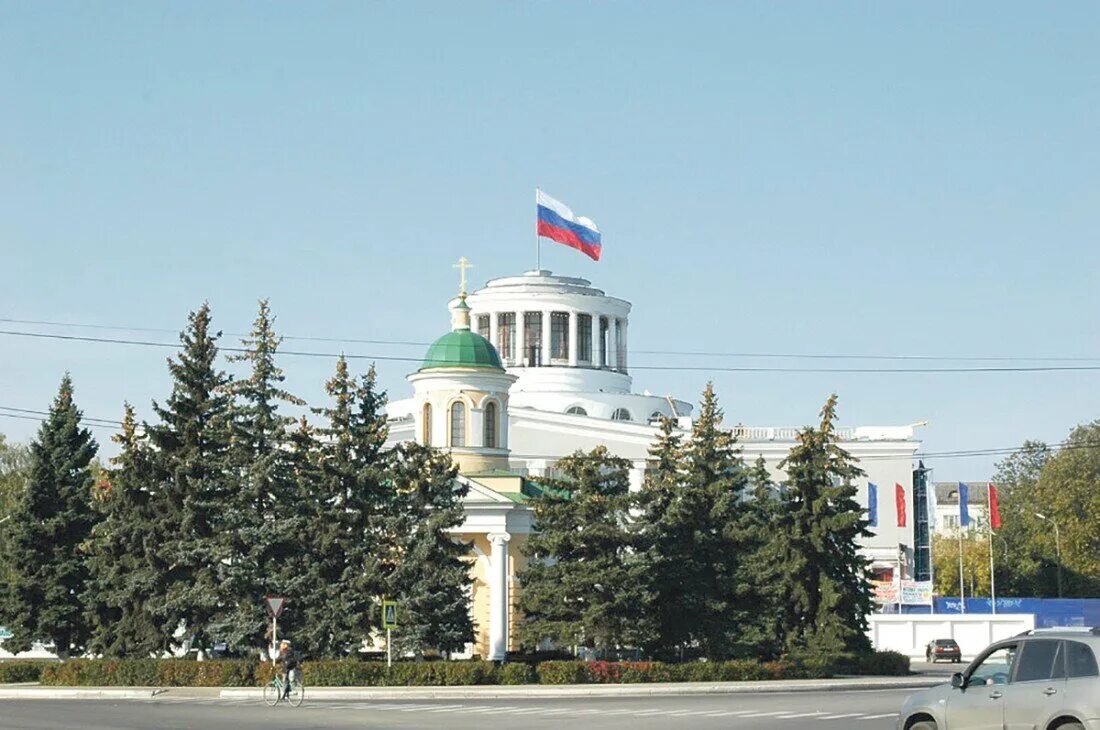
pixel 582 585
pixel 51 524
pixel 430 577
pixel 260 543
pixel 352 504
pixel 826 597
pixel 126 572
pixel 190 442
pixel 760 624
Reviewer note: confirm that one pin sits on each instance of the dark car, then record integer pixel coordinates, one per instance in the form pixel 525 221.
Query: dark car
pixel 945 649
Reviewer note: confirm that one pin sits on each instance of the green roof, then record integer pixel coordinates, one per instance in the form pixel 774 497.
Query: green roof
pixel 462 348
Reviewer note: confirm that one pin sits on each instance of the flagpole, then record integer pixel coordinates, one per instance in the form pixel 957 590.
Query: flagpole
pixel 538 242
pixel 989 521
pixel 962 586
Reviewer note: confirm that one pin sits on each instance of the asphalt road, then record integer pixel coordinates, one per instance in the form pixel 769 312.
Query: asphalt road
pixel 873 710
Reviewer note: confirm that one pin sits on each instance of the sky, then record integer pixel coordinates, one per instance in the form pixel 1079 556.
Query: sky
pixel 782 178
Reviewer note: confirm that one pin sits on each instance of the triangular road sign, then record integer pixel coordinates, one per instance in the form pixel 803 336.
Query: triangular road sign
pixel 275 605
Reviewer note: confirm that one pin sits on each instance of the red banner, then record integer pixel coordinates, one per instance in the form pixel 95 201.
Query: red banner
pixel 994 509
pixel 899 498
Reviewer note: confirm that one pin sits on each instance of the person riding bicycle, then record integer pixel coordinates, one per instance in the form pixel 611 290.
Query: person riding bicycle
pixel 287 661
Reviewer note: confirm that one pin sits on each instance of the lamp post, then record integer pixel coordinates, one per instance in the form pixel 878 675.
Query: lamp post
pixel 1057 547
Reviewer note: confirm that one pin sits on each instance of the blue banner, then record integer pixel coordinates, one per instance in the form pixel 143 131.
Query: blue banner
pixel 872 505
pixel 964 506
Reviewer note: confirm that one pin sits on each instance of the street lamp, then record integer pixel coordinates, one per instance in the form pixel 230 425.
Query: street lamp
pixel 1057 548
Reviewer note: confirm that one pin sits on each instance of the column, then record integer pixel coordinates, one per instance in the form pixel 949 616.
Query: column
pixel 521 333
pixel 613 342
pixel 573 339
pixel 595 340
pixel 498 596
pixel 545 356
pixel 494 331
pixel 626 350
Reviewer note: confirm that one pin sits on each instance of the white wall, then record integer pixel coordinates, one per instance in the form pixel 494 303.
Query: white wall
pixel 910 633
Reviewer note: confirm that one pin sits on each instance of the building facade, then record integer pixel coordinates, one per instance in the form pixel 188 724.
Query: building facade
pixel 536 367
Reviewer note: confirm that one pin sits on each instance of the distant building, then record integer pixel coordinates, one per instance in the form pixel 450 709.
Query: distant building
pixel 946 507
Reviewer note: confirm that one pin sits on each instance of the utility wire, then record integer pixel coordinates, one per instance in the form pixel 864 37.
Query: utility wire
pixel 683 353
pixel 682 368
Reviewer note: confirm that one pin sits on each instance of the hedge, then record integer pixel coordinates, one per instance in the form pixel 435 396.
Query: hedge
pixel 358 673
pixel 21 670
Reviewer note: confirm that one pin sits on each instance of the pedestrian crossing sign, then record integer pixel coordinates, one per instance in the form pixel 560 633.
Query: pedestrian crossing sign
pixel 389 614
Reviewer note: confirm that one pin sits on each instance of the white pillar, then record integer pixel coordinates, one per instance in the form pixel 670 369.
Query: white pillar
pixel 494 331
pixel 613 342
pixel 595 340
pixel 498 596
pixel 626 350
pixel 545 355
pixel 521 334
pixel 573 339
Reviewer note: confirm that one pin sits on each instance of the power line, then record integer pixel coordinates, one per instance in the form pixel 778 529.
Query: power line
pixel 107 421
pixel 682 353
pixel 40 419
pixel 681 368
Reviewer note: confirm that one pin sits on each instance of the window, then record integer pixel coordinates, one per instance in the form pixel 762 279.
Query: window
pixel 995 668
pixel 483 325
pixel 1041 660
pixel 532 337
pixel 426 424
pixel 491 425
pixel 506 335
pixel 656 416
pixel 584 337
pixel 458 423
pixel 620 345
pixel 559 335
pixel 621 414
pixel 577 411
pixel 603 342
pixel 1080 661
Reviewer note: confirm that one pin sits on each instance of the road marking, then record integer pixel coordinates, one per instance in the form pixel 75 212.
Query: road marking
pixel 446 708
pixel 800 714
pixel 879 717
pixel 765 714
pixel 840 717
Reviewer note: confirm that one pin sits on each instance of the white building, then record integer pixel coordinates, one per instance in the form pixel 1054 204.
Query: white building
pixel 947 507
pixel 536 367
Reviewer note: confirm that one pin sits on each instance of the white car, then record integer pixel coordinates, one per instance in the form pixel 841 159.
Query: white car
pixel 1047 679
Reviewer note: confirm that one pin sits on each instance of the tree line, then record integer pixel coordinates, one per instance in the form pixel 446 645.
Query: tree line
pixel 224 498
pixel 710 558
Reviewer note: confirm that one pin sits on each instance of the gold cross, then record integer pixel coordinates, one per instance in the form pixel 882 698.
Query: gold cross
pixel 462 265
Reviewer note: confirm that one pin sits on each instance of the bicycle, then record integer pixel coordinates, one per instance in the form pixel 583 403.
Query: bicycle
pixel 275 689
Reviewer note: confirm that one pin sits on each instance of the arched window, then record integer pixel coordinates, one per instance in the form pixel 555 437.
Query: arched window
pixel 621 414
pixel 458 423
pixel 426 424
pixel 490 425
pixel 656 416
pixel 577 411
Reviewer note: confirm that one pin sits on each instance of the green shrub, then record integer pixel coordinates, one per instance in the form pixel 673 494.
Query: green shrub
pixel 21 670
pixel 741 670
pixel 884 663
pixel 562 672
pixel 513 673
pixel 149 673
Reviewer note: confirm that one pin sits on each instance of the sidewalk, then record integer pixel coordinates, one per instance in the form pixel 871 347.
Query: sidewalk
pixel 482 692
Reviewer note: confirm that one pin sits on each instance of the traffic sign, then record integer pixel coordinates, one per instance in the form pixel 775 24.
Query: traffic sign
pixel 389 614
pixel 275 605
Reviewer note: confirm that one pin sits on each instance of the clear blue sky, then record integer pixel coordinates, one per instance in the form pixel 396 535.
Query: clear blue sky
pixel 769 177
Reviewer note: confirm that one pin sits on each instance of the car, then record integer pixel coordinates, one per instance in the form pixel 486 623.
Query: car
pixel 943 649
pixel 1044 679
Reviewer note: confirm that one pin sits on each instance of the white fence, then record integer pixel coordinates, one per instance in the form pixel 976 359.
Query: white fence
pixel 910 633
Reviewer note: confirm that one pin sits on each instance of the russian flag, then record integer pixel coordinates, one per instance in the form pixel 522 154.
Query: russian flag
pixel 557 222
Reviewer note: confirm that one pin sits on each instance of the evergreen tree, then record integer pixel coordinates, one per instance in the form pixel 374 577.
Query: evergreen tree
pixel 126 572
pixel 825 594
pixel 349 534
pixel 664 634
pixel 583 584
pixel 430 577
pixel 51 524
pixel 694 537
pixel 760 625
pixel 190 443
pixel 260 541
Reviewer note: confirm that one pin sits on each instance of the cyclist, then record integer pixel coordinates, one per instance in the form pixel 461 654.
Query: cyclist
pixel 287 661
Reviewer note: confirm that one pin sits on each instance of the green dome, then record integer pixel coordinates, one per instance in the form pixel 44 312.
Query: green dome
pixel 462 348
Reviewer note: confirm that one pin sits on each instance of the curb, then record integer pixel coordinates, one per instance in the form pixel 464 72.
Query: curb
pixel 587 690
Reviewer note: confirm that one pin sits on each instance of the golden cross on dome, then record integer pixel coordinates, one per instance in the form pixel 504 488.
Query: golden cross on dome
pixel 462 265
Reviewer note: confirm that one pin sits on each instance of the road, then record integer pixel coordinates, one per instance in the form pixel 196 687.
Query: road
pixel 836 710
